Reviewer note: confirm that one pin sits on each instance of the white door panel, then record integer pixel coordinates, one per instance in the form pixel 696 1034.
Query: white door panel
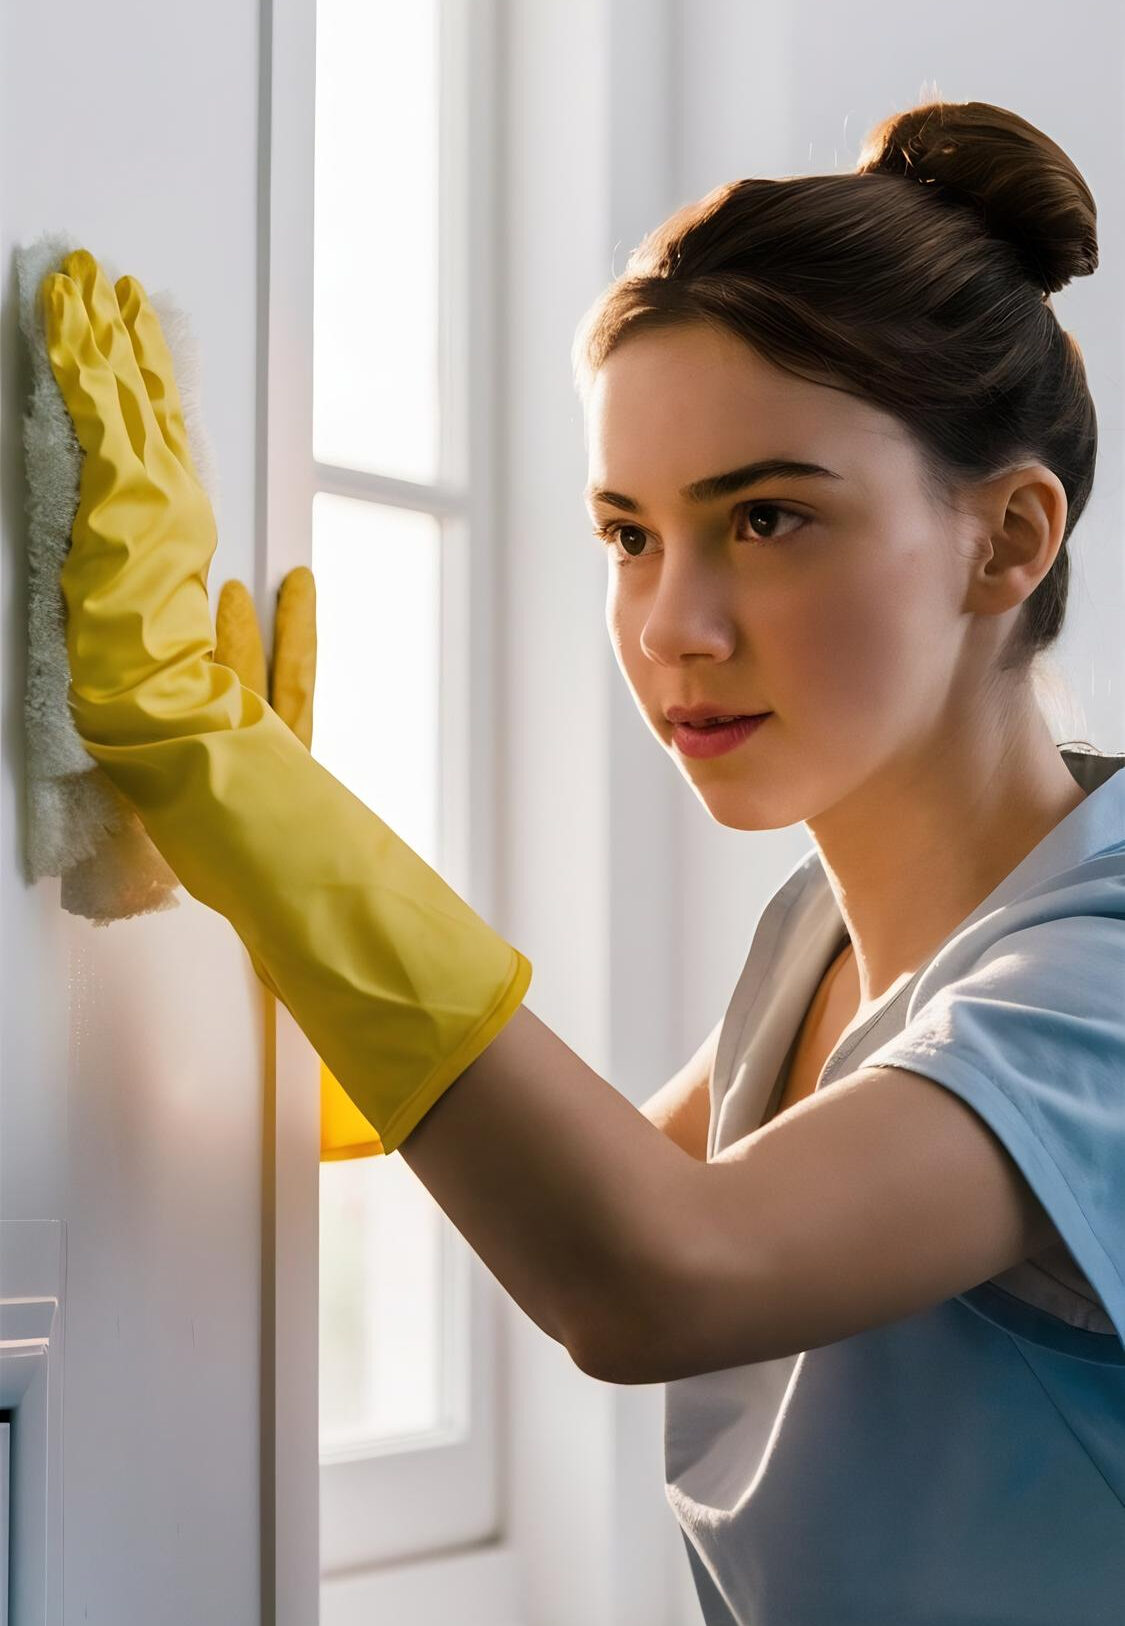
pixel 132 1069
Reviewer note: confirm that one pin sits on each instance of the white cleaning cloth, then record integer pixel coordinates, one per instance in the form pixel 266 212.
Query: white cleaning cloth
pixel 79 827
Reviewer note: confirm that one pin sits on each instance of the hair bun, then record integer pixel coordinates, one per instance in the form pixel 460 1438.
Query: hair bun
pixel 1026 189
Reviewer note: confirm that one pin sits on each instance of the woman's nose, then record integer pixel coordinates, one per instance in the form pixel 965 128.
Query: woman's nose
pixel 690 613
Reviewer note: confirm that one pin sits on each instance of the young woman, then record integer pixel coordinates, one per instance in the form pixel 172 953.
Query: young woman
pixel 873 1235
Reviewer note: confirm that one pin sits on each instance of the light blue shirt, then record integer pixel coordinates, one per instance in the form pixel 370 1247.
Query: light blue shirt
pixel 964 1466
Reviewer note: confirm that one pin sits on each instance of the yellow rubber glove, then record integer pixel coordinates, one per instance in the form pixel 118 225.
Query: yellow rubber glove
pixel 293 668
pixel 238 639
pixel 396 981
pixel 344 1131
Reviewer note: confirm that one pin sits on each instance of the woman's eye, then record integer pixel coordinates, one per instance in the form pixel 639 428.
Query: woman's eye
pixel 618 530
pixel 774 508
pixel 614 532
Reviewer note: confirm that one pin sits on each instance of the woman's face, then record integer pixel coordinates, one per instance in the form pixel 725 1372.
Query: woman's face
pixel 836 604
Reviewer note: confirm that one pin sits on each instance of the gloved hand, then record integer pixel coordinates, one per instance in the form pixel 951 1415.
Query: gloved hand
pixel 395 980
pixel 288 686
pixel 288 681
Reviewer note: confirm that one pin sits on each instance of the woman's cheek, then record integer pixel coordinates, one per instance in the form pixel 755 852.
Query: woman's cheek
pixel 827 651
pixel 624 619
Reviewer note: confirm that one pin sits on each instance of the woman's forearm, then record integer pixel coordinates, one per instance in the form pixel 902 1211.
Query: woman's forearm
pixel 578 1205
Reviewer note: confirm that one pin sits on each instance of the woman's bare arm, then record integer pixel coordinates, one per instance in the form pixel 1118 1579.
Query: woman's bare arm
pixel 575 1201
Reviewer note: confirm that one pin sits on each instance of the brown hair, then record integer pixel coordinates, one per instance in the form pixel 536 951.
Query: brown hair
pixel 930 300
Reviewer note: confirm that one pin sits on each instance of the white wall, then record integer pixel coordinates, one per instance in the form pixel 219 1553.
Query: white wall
pixel 131 1070
pixel 588 826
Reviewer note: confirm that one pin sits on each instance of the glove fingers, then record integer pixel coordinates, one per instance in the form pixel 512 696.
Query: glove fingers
pixel 238 640
pixel 113 341
pixel 84 376
pixel 155 362
pixel 294 653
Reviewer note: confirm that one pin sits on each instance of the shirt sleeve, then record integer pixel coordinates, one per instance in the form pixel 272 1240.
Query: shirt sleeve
pixel 1032 1037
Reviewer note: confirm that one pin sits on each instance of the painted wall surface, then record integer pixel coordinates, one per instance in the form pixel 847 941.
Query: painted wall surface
pixel 131 1063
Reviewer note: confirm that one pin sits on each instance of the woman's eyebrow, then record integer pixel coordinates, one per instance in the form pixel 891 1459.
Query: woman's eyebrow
pixel 723 485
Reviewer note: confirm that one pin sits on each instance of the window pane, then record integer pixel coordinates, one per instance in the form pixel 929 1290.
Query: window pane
pixel 375 238
pixel 381 1300
pixel 383 1293
pixel 375 717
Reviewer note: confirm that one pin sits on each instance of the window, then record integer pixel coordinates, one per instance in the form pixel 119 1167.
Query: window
pixel 399 457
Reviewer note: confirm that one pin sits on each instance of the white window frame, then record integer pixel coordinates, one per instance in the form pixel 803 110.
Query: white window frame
pixel 419 1528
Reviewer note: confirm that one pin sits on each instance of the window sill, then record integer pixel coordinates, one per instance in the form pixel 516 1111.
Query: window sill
pixel 475 1586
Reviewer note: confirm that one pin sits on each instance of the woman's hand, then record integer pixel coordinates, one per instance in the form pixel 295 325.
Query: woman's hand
pixel 398 984
pixel 135 581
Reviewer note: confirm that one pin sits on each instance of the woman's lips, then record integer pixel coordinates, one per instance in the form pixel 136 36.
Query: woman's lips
pixel 718 739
